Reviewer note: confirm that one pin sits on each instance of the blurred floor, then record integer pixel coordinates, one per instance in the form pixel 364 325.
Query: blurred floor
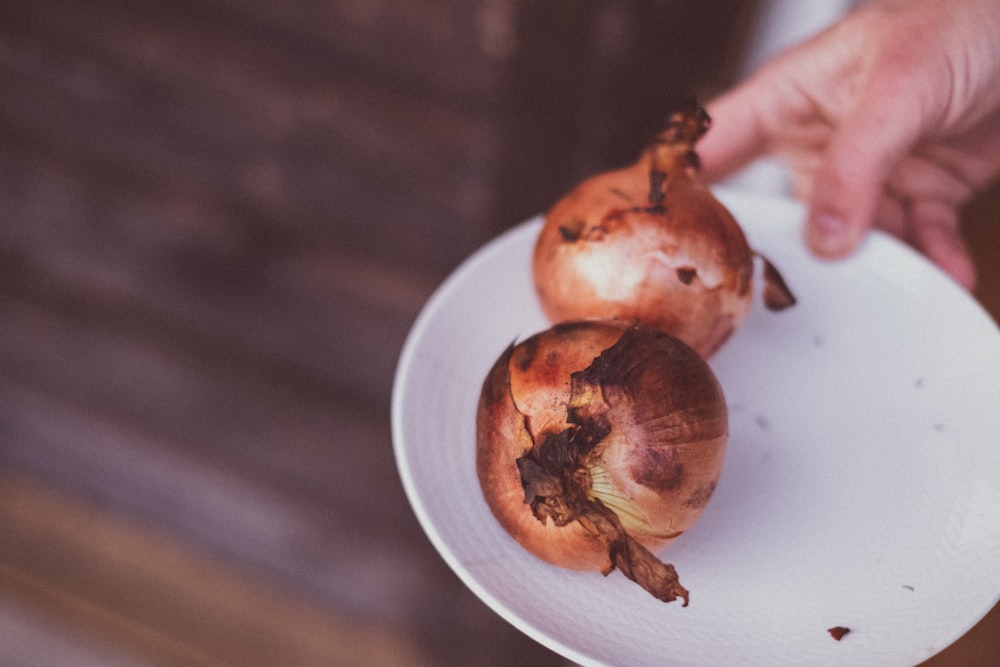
pixel 218 223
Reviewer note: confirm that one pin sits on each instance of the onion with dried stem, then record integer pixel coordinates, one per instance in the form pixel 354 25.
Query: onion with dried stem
pixel 598 443
pixel 650 242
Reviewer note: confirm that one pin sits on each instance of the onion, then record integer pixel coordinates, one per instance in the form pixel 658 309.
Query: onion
pixel 650 242
pixel 599 442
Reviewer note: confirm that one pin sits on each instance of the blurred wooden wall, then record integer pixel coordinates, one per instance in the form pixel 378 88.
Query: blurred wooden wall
pixel 219 220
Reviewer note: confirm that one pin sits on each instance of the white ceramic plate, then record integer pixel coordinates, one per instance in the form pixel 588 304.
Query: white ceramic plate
pixel 861 486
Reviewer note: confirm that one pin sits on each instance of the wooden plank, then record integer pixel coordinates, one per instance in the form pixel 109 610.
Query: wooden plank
pixel 285 137
pixel 314 313
pixel 448 49
pixel 145 594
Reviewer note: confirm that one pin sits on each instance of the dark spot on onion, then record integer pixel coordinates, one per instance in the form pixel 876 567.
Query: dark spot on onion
pixel 568 235
pixel 656 180
pixel 656 468
pixel 701 496
pixel 686 274
pixel 525 353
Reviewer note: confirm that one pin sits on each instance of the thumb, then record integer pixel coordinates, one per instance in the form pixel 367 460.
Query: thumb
pixel 850 181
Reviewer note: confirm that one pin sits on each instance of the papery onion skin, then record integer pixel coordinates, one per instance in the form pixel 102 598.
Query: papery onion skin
pixel 663 451
pixel 649 242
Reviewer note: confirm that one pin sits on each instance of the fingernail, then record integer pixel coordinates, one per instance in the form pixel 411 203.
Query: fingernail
pixel 827 234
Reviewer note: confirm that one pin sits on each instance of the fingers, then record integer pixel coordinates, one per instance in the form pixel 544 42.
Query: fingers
pixel 851 112
pixel 844 202
pixel 737 135
pixel 935 232
pixel 868 176
pixel 853 173
pixel 931 194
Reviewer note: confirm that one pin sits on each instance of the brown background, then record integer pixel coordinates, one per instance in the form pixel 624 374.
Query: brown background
pixel 219 220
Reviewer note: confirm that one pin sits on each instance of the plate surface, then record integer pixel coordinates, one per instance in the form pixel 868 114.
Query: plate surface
pixel 861 486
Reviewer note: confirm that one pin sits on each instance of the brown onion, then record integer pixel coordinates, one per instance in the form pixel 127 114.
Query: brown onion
pixel 650 242
pixel 600 442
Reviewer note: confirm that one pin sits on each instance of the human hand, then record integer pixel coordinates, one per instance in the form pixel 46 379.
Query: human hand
pixel 890 118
